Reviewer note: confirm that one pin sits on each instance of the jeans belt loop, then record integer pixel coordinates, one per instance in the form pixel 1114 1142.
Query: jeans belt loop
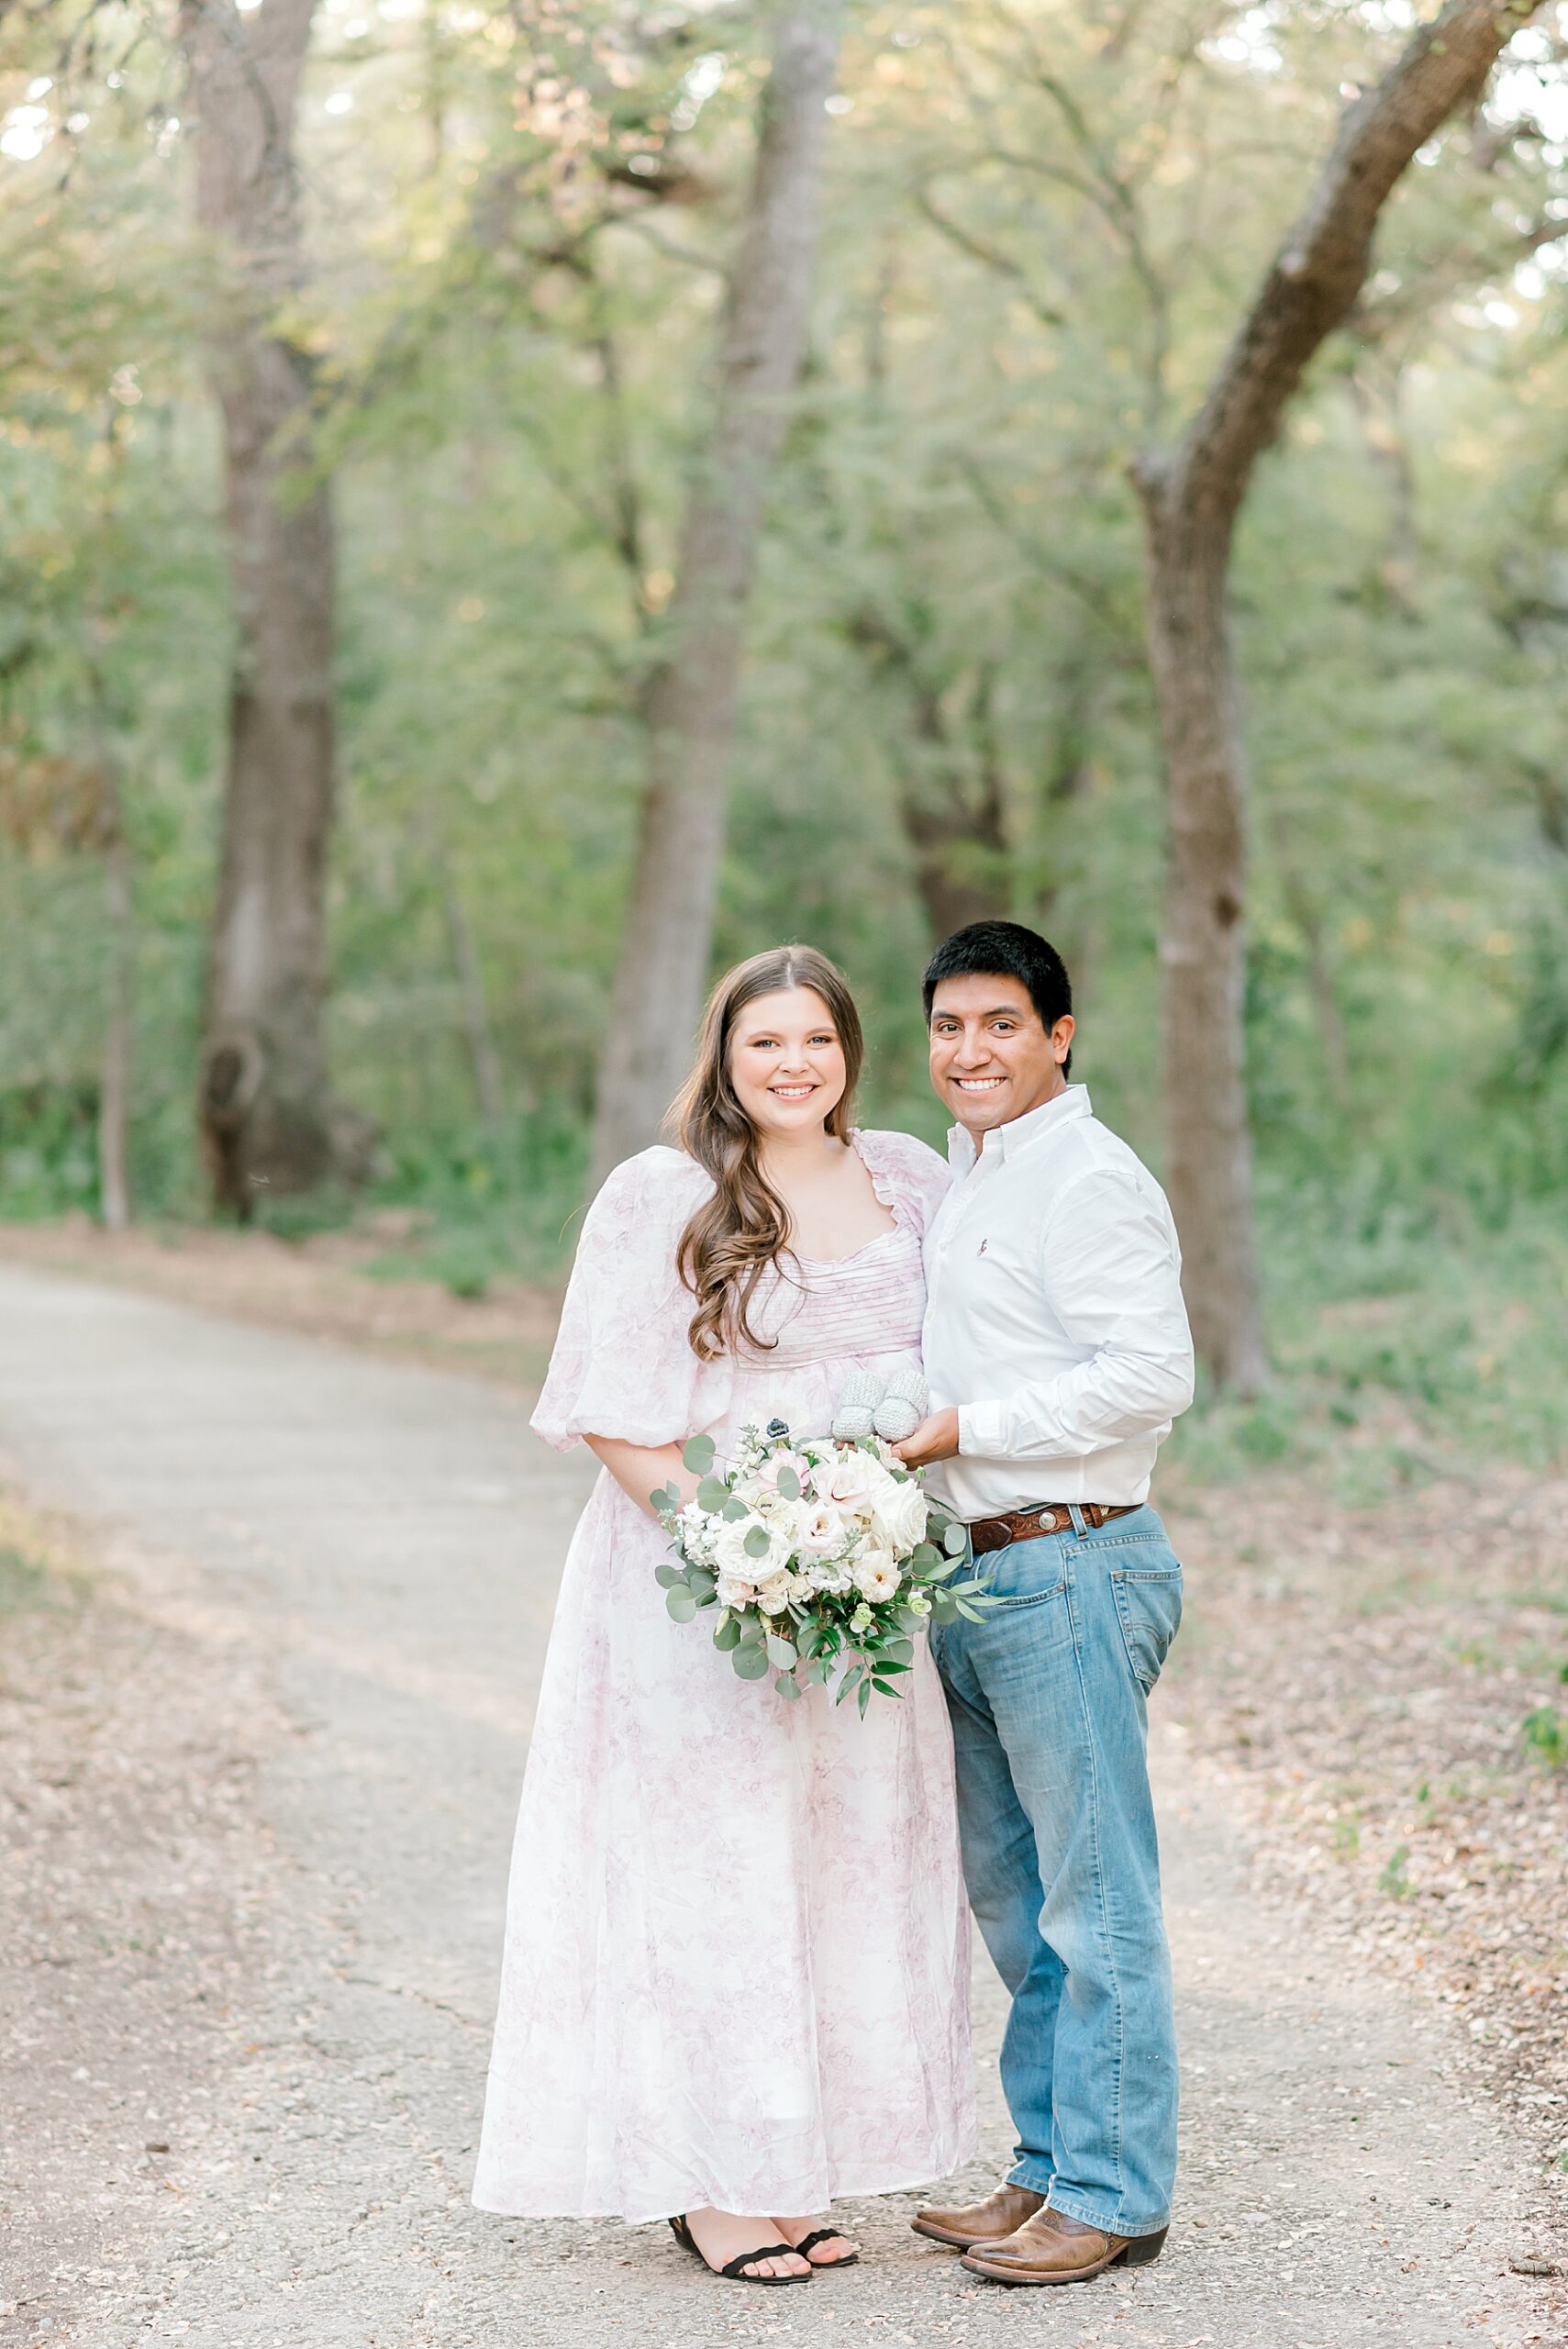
pixel 1076 1514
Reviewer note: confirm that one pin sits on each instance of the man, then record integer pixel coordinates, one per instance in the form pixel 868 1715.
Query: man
pixel 1057 1354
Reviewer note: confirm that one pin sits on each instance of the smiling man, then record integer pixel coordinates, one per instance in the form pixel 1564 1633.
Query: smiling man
pixel 1057 1354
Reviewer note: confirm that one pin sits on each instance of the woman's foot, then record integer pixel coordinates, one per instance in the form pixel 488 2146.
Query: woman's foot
pixel 721 2237
pixel 828 2248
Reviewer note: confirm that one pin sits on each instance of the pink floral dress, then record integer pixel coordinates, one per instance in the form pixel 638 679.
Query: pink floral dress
pixel 736 1960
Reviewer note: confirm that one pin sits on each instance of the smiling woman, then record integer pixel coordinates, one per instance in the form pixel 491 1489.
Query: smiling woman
pixel 675 1824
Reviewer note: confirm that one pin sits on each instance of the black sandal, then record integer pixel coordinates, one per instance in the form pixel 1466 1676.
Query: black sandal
pixel 734 2271
pixel 826 2235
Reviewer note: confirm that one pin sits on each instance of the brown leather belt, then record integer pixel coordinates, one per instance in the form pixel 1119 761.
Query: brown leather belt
pixel 1029 1524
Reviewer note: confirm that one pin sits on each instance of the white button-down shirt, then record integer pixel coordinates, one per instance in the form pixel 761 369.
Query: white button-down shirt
pixel 1054 1317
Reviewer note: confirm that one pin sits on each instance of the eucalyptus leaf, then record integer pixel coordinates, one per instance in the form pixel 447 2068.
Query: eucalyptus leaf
pixel 712 1494
pixel 901 1649
pixel 781 1652
pixel 750 1664
pixel 726 1633
pixel 670 1577
pixel 955 1541
pixel 734 1511
pixel 680 1604
pixel 758 1541
pixel 702 1581
pixel 818 1669
pixel 789 1484
pixel 697 1454
pixel 787 1685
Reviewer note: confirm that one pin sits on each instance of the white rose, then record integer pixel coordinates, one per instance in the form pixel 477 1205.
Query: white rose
pixel 818 1531
pixel 731 1556
pixel 877 1574
pixel 900 1518
pixel 773 1595
pixel 733 1590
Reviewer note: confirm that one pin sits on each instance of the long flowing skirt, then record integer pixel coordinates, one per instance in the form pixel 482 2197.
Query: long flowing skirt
pixel 736 1969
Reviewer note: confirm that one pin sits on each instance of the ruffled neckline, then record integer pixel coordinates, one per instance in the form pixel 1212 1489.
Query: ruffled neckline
pixel 886 1194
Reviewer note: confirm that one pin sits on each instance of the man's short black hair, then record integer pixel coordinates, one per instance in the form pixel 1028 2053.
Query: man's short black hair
pixel 1007 948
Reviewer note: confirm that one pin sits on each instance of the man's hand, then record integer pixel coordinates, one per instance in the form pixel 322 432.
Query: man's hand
pixel 934 1438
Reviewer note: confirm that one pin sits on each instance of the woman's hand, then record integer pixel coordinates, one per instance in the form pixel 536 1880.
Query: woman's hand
pixel 934 1438
pixel 640 1469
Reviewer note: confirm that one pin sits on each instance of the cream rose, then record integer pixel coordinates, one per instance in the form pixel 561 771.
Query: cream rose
pixel 818 1530
pixel 899 1519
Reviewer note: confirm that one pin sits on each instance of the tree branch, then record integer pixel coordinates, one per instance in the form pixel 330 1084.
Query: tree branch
pixel 1313 280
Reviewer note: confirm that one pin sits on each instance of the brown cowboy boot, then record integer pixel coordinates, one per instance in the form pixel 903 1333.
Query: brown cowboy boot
pixel 1051 2248
pixel 999 2216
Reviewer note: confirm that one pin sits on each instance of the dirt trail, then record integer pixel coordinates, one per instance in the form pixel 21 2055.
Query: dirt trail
pixel 330 1587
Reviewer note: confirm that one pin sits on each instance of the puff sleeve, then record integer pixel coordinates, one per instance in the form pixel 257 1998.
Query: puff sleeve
pixel 622 1366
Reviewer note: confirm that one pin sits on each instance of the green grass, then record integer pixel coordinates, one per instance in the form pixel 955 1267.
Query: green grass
pixel 1401 1354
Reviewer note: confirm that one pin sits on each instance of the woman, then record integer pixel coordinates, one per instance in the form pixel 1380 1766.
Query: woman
pixel 736 1980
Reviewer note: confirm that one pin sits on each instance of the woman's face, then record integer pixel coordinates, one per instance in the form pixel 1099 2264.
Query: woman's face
pixel 786 1063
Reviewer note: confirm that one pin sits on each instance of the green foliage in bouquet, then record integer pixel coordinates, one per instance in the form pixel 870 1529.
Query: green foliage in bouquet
pixel 815 1632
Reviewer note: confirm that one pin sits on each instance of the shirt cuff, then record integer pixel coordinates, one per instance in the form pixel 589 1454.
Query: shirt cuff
pixel 980 1431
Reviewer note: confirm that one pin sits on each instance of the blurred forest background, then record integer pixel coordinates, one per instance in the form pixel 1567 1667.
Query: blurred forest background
pixel 493 275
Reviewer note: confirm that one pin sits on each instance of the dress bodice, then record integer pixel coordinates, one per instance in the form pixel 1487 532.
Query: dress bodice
pixel 623 1364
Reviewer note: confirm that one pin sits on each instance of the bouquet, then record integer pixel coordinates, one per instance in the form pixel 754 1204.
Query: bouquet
pixel 814 1555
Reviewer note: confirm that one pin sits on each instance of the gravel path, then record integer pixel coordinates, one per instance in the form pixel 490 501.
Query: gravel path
pixel 359 1559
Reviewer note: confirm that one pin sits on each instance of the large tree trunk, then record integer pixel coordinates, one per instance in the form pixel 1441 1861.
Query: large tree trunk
pixel 266 1108
pixel 689 704
pixel 951 794
pixel 1191 498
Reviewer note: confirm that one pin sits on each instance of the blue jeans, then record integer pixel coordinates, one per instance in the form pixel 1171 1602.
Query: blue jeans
pixel 1050 1728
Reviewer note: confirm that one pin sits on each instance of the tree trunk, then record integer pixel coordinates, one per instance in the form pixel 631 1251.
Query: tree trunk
pixel 115 1067
pixel 1204 952
pixel 956 822
pixel 689 706
pixel 1191 499
pixel 266 1108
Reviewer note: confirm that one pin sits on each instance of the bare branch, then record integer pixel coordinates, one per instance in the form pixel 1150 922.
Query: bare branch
pixel 989 256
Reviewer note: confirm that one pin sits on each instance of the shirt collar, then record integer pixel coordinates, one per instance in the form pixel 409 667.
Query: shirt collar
pixel 1004 1143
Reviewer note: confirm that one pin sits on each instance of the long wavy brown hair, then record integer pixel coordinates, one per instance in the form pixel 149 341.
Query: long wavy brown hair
pixel 735 1235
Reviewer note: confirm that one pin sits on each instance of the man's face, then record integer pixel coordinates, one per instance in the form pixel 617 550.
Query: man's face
pixel 992 1060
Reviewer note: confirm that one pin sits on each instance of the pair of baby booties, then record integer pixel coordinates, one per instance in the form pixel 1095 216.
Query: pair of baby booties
pixel 892 1408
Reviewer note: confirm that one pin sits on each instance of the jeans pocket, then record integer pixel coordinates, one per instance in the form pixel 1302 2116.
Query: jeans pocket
pixel 1025 1573
pixel 1149 1604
